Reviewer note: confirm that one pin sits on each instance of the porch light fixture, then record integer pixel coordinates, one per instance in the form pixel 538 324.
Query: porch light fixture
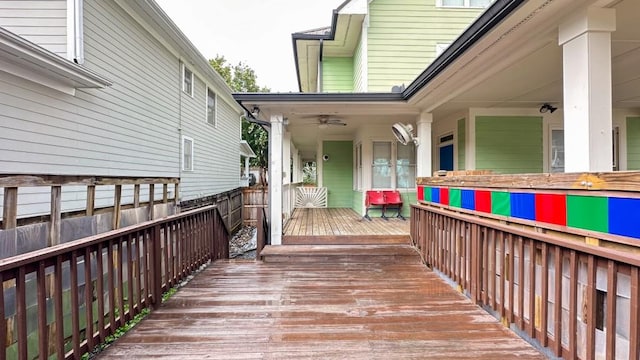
pixel 255 111
pixel 404 133
pixel 547 107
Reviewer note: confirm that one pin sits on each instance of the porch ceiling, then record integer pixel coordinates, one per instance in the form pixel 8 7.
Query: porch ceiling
pixel 526 66
pixel 302 119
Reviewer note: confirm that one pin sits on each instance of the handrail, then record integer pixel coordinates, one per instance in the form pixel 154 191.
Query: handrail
pixel 102 281
pixel 564 295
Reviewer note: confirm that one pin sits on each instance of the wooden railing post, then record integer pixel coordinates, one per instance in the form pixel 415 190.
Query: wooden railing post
pixel 156 263
pixel 260 238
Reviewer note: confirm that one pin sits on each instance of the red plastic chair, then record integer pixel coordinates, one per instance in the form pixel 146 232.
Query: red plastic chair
pixel 374 198
pixel 393 199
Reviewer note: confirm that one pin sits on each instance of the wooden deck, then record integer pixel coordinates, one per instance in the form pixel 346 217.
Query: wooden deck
pixel 352 302
pixel 342 226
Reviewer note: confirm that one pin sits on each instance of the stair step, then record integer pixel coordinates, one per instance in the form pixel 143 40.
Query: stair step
pixel 346 240
pixel 404 254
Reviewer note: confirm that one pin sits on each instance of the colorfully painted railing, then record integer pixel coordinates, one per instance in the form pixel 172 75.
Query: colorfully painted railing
pixel 548 258
pixel 63 301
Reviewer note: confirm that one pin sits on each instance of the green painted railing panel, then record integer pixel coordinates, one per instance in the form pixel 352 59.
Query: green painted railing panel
pixel 337 173
pixel 588 212
pixel 455 198
pixel 509 144
pixel 501 203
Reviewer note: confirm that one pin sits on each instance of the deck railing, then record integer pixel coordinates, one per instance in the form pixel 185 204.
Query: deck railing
pixel 573 288
pixel 68 298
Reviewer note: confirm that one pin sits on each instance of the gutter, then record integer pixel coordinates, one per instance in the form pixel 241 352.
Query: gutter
pixel 489 19
pixel 318 97
pixel 302 36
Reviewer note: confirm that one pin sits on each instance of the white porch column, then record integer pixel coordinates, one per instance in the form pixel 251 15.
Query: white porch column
pixel 423 158
pixel 586 47
pixel 286 158
pixel 296 164
pixel 275 179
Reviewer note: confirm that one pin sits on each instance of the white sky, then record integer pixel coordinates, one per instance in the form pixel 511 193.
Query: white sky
pixel 256 32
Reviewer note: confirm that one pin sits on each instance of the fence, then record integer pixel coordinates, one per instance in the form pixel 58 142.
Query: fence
pixel 64 300
pixel 578 300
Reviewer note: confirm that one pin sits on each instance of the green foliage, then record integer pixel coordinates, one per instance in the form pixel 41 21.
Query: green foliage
pixel 241 78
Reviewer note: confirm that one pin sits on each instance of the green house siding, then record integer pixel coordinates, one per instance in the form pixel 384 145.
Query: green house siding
pixel 337 74
pixel 402 38
pixel 358 200
pixel 337 173
pixel 633 143
pixel 462 140
pixel 509 144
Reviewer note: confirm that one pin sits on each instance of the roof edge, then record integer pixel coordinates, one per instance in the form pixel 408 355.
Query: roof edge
pixel 319 97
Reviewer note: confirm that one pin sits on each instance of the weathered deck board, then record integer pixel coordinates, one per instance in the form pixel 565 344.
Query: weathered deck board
pixel 342 226
pixel 320 310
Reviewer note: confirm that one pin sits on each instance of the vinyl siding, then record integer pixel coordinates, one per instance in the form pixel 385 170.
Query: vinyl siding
pixel 216 166
pixel 43 22
pixel 402 38
pixel 128 129
pixel 358 201
pixel 359 66
pixel 337 74
pixel 462 141
pixel 633 143
pixel 338 173
pixel 509 144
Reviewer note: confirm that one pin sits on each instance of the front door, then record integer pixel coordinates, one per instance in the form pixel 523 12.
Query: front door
pixel 446 157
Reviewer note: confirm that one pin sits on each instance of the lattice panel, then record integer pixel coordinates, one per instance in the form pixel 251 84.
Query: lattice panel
pixel 311 197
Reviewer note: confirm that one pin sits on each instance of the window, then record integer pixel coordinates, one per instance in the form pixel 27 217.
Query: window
pixel 211 107
pixel 556 163
pixel 464 3
pixel 446 152
pixel 381 165
pixel 556 153
pixel 187 80
pixel 187 153
pixel 406 166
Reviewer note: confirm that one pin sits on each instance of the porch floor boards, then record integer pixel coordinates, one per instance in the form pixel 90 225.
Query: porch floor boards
pixel 386 309
pixel 342 226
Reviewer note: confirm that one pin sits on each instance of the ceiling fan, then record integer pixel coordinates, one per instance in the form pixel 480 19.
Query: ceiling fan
pixel 325 121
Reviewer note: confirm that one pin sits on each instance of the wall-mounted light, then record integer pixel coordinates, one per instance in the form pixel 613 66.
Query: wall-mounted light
pixel 404 133
pixel 547 107
pixel 255 112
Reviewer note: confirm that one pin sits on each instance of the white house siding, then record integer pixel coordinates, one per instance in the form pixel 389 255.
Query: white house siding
pixel 216 148
pixel 43 22
pixel 128 129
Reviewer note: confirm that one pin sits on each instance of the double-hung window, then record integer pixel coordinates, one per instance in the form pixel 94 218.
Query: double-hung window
pixel 187 153
pixel 382 170
pixel 406 166
pixel 187 80
pixel 211 107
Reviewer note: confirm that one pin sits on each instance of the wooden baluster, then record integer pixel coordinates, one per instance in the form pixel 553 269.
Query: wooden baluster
pixel 130 278
pixel 512 277
pixel 532 288
pixel 573 304
pixel 88 297
pixel 100 291
pixel 58 309
pixel 111 267
pixel 484 263
pixel 591 307
pixel 557 309
pixel 612 297
pixel 75 306
pixel 43 334
pixel 634 331
pixel 544 289
pixel 21 312
pixel 502 267
pixel 521 322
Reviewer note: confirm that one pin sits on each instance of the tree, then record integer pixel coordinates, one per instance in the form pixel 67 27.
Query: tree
pixel 241 78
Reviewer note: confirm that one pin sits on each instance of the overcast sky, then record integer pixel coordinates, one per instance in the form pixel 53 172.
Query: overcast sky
pixel 256 32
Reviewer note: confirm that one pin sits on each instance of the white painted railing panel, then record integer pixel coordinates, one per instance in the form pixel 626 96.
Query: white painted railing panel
pixel 311 197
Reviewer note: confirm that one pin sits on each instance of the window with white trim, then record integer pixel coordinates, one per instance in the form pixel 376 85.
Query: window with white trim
pixel 556 151
pixel 381 167
pixel 187 80
pixel 406 165
pixel 464 3
pixel 211 107
pixel 187 153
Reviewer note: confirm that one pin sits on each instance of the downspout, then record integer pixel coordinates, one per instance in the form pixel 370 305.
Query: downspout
pixel 320 67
